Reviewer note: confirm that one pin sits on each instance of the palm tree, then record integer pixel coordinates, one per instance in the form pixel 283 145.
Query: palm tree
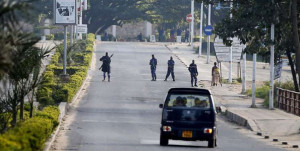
pixel 8 27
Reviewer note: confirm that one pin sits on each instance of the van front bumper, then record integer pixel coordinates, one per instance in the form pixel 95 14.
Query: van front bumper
pixel 197 134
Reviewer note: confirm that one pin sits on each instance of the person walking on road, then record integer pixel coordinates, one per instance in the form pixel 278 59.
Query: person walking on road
pixel 187 35
pixel 171 64
pixel 179 31
pixel 172 35
pixel 153 63
pixel 215 73
pixel 194 73
pixel 140 37
pixel 106 66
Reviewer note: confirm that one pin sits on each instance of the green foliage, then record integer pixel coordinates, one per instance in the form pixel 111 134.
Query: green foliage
pixel 52 90
pixel 263 91
pixel 31 134
pixel 59 36
pixel 50 37
pixel 104 13
pixel 234 81
pixel 289 85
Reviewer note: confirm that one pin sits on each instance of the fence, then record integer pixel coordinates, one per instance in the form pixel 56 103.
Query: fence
pixel 288 101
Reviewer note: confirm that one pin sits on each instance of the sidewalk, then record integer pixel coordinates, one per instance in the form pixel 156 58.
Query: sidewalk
pixel 276 124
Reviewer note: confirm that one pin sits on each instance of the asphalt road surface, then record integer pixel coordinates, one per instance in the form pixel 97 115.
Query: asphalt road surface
pixel 123 115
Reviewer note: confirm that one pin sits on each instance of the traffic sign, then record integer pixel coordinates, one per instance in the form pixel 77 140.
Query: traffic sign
pixel 208 30
pixel 82 28
pixel 278 70
pixel 189 18
pixel 223 51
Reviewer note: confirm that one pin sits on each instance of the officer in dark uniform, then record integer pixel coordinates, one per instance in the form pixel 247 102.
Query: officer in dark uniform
pixel 153 63
pixel 171 64
pixel 194 73
pixel 105 66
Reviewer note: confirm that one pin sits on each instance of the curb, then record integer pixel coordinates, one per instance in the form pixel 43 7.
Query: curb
pixel 240 120
pixel 63 108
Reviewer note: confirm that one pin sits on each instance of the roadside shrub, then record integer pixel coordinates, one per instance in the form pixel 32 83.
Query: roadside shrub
pixel 31 134
pixel 263 93
pixel 50 37
pixel 50 92
pixel 289 85
pixel 58 95
pixel 55 59
pixel 59 36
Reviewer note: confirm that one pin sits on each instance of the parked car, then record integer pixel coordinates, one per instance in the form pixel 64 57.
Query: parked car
pixel 189 114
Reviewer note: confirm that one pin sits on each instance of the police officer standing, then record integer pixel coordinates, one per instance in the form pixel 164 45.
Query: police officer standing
pixel 105 66
pixel 194 73
pixel 171 64
pixel 153 63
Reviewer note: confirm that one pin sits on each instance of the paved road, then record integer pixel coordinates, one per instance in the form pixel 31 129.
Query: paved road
pixel 123 115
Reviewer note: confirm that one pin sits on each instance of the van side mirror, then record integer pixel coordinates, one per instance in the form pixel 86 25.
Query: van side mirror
pixel 218 109
pixel 161 105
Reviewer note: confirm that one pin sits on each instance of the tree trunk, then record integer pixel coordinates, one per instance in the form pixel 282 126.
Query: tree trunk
pixel 296 35
pixel 31 109
pixel 22 108
pixel 31 103
pixel 14 113
pixel 293 71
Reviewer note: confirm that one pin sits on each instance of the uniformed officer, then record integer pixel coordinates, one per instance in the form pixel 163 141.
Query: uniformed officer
pixel 105 66
pixel 153 63
pixel 194 73
pixel 171 64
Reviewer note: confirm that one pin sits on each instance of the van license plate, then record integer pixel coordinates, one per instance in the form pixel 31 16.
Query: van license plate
pixel 187 134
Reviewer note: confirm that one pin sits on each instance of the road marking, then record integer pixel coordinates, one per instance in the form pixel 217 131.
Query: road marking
pixel 123 122
pixel 149 141
pixel 156 141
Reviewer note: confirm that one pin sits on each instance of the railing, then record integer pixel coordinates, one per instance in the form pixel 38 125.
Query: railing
pixel 288 101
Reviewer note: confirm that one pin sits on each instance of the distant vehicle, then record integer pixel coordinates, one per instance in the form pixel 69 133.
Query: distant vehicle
pixel 189 114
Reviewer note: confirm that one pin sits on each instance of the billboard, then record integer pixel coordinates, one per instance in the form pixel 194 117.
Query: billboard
pixel 65 12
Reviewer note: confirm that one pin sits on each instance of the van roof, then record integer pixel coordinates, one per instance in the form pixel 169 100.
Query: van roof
pixel 189 90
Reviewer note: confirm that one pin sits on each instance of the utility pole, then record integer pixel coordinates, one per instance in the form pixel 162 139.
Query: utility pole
pixel 71 34
pixel 271 93
pixel 253 81
pixel 244 74
pixel 80 19
pixel 201 30
pixel 65 51
pixel 192 24
pixel 230 53
pixel 208 37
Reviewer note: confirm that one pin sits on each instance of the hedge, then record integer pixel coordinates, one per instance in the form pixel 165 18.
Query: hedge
pixel 31 134
pixel 53 91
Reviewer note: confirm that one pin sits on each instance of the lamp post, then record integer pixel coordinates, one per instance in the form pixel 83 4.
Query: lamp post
pixel 271 93
pixel 230 54
pixel 208 37
pixel 192 24
pixel 201 30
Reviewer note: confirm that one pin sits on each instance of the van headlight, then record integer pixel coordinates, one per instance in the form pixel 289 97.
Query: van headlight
pixel 208 131
pixel 167 128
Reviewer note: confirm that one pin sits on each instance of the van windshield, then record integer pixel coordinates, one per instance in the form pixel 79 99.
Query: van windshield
pixel 189 101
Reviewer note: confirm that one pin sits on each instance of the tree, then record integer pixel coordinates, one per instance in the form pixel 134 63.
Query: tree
pixel 296 36
pixel 21 58
pixel 104 13
pixel 251 24
pixel 9 22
